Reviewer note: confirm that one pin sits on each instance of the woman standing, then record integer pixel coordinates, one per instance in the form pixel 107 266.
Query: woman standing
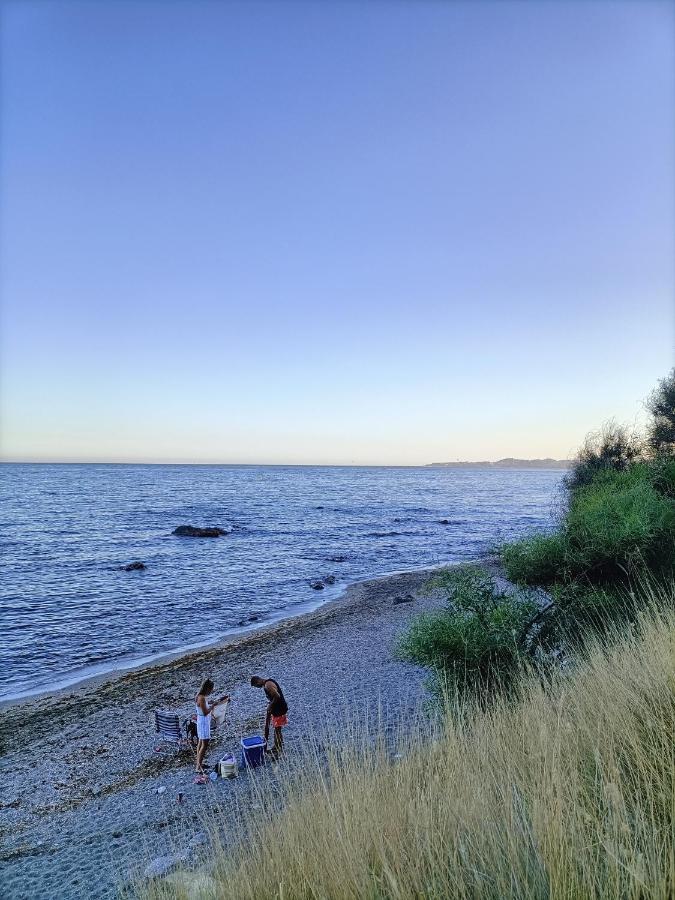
pixel 204 710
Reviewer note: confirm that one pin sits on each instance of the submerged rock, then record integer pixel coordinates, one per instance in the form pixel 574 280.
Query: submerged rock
pixel 444 521
pixel 329 579
pixel 191 531
pixel 137 566
pixel 337 558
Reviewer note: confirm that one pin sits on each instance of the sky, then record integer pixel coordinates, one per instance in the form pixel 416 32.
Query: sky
pixel 332 232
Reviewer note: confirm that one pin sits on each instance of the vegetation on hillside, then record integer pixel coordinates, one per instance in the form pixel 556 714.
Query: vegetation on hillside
pixel 618 524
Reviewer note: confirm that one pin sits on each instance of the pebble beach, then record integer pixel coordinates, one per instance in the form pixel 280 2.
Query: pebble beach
pixel 89 804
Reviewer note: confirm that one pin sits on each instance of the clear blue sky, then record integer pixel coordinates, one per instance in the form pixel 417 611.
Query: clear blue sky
pixel 332 231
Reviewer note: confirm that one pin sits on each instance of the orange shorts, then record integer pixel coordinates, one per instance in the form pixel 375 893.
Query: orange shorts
pixel 279 721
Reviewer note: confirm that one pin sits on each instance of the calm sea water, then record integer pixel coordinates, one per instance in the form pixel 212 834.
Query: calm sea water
pixel 67 610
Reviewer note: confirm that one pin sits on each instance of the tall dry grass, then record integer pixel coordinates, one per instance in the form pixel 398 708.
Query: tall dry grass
pixel 566 791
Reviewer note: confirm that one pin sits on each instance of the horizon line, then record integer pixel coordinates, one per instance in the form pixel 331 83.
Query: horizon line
pixel 336 465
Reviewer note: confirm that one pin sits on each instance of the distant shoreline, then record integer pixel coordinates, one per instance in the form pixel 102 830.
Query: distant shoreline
pixel 460 464
pixel 507 463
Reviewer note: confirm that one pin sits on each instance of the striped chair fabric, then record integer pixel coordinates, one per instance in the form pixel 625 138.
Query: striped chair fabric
pixel 167 725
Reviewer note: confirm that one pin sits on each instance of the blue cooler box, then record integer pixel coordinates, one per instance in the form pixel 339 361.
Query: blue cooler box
pixel 252 752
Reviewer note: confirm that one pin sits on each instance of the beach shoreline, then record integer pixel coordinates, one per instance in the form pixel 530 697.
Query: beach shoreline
pixel 225 640
pixel 89 791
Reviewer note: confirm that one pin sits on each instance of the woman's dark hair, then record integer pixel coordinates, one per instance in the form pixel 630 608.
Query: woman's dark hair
pixel 206 687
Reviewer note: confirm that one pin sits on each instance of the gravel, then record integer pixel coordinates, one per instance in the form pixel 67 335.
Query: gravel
pixel 83 810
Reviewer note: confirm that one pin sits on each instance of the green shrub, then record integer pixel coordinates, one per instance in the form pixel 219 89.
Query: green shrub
pixel 661 405
pixel 612 449
pixel 538 559
pixel 478 640
pixel 617 525
pixel 662 475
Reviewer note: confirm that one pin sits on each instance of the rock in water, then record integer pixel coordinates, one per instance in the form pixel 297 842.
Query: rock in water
pixel 137 566
pixel 443 521
pixel 191 531
pixel 329 579
pixel 317 585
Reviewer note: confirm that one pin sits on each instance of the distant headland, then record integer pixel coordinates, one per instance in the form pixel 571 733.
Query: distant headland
pixel 508 463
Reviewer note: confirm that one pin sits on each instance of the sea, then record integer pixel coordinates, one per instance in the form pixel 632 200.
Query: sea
pixel 69 610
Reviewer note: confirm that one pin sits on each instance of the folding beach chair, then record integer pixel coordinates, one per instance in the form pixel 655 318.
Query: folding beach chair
pixel 167 725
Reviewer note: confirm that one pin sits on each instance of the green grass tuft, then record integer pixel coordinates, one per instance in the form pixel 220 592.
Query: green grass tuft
pixel 539 559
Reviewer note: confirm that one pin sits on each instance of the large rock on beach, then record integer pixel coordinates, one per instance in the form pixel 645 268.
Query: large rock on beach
pixel 191 531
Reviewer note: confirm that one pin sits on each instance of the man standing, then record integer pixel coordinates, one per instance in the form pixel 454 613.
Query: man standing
pixel 277 710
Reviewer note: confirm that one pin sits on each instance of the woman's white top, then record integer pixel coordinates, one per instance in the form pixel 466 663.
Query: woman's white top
pixel 203 724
